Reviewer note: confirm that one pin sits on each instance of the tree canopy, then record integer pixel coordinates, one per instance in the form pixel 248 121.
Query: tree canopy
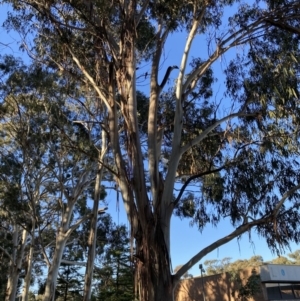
pixel 180 148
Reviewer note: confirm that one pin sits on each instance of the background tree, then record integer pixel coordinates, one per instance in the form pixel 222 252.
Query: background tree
pixel 295 257
pixel 246 288
pixel 292 258
pixel 22 151
pixel 69 283
pixel 215 266
pixel 48 186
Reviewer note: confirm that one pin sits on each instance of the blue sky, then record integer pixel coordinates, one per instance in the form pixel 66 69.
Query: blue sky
pixel 186 241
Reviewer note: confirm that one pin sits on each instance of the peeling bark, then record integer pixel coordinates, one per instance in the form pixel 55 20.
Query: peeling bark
pixel 153 265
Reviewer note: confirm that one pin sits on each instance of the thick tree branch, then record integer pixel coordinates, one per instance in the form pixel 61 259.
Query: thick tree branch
pixel 284 26
pixel 121 176
pixel 175 154
pixel 80 221
pixel 154 141
pixel 240 230
pixel 89 78
pixel 237 232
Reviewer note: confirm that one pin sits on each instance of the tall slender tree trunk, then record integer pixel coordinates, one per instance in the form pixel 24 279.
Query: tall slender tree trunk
pixel 87 291
pixel 16 263
pixel 152 274
pixel 27 279
pixel 91 246
pixel 64 231
pixel 61 240
pixel 54 267
pixel 12 284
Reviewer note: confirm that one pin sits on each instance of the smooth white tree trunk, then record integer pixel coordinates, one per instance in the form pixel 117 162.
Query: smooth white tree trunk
pixel 63 233
pixel 53 269
pixel 27 279
pixel 87 291
pixel 16 263
pixel 88 279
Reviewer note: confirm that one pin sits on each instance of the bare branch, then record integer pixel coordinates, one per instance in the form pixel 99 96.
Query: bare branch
pixel 222 47
pixel 80 221
pixel 240 230
pixel 89 78
pixel 175 154
pixel 154 137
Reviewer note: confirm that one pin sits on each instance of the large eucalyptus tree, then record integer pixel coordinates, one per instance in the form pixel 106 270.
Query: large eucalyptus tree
pixel 243 158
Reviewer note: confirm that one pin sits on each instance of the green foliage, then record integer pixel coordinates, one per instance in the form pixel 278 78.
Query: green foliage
pixel 40 165
pixel 261 83
pixel 246 289
pixel 295 257
pixel 281 260
pixel 145 39
pixel 115 275
pixel 69 283
pixel 215 266
pixel 292 258
pixel 251 288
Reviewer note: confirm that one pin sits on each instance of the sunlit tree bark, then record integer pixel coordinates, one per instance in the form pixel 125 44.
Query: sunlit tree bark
pixel 104 39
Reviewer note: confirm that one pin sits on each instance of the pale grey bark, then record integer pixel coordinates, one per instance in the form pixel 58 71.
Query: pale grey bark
pixel 88 279
pixel 62 237
pixel 64 231
pixel 17 257
pixel 26 285
pixel 55 264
